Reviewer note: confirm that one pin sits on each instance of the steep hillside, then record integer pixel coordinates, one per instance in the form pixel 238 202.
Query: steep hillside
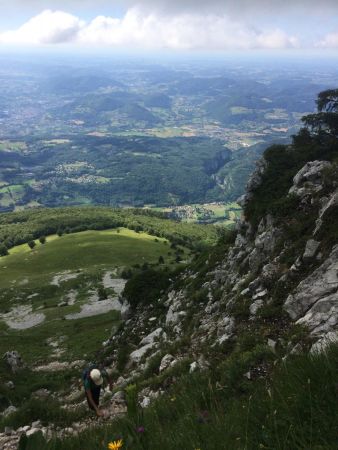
pixel 240 350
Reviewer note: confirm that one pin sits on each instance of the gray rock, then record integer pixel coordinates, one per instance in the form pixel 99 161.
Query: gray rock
pixel 256 259
pixel 329 204
pixel 272 344
pixel 36 424
pixel 175 300
pixel 166 362
pixel 315 301
pixel 260 294
pixel 253 182
pixel 323 315
pixel 62 304
pixel 194 367
pixel 121 382
pixel 137 355
pixel 256 177
pixel 126 310
pixel 145 402
pixel 119 397
pixel 107 396
pixel 309 179
pixel 225 329
pixel 270 271
pixel 152 337
pixel 10 385
pixel 32 431
pixel 10 410
pixel 310 249
pixel 41 394
pixel 254 307
pixel 322 344
pixel 296 350
pixel 245 292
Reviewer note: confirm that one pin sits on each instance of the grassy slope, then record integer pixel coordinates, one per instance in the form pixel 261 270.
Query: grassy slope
pixel 25 272
pixel 293 412
pixel 87 249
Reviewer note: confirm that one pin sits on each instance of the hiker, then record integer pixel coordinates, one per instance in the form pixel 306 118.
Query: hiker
pixel 92 378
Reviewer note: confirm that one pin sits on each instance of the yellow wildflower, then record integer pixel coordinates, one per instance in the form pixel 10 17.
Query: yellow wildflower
pixel 115 445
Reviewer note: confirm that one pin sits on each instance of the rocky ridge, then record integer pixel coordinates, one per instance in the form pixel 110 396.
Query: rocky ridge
pixel 254 275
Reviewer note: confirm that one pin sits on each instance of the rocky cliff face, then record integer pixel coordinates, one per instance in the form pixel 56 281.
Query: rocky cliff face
pixel 267 281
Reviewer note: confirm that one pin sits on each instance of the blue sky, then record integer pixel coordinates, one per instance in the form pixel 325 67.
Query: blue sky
pixel 208 25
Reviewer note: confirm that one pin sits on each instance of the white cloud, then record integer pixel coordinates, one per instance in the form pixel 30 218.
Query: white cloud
pixel 49 27
pixel 148 30
pixel 329 41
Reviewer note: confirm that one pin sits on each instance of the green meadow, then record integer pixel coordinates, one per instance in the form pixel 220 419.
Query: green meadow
pixel 84 250
pixel 70 266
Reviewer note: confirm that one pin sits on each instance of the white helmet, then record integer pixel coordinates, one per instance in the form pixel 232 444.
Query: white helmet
pixel 96 376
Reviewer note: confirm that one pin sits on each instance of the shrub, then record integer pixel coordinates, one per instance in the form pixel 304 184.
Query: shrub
pixel 3 250
pixel 31 244
pixel 146 286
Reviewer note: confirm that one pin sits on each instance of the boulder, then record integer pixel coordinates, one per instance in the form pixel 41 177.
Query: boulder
pixel 136 355
pixel 152 337
pixel 309 179
pixel 32 431
pixel 166 362
pixel 310 251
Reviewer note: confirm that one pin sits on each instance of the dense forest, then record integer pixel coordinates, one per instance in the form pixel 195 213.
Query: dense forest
pixel 22 227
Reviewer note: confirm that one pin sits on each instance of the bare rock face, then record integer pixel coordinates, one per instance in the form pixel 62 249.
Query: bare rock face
pixel 175 300
pixel 315 301
pixel 328 205
pixel 309 179
pixel 253 182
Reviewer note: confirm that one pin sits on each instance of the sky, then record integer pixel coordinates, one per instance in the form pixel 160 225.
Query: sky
pixel 180 25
